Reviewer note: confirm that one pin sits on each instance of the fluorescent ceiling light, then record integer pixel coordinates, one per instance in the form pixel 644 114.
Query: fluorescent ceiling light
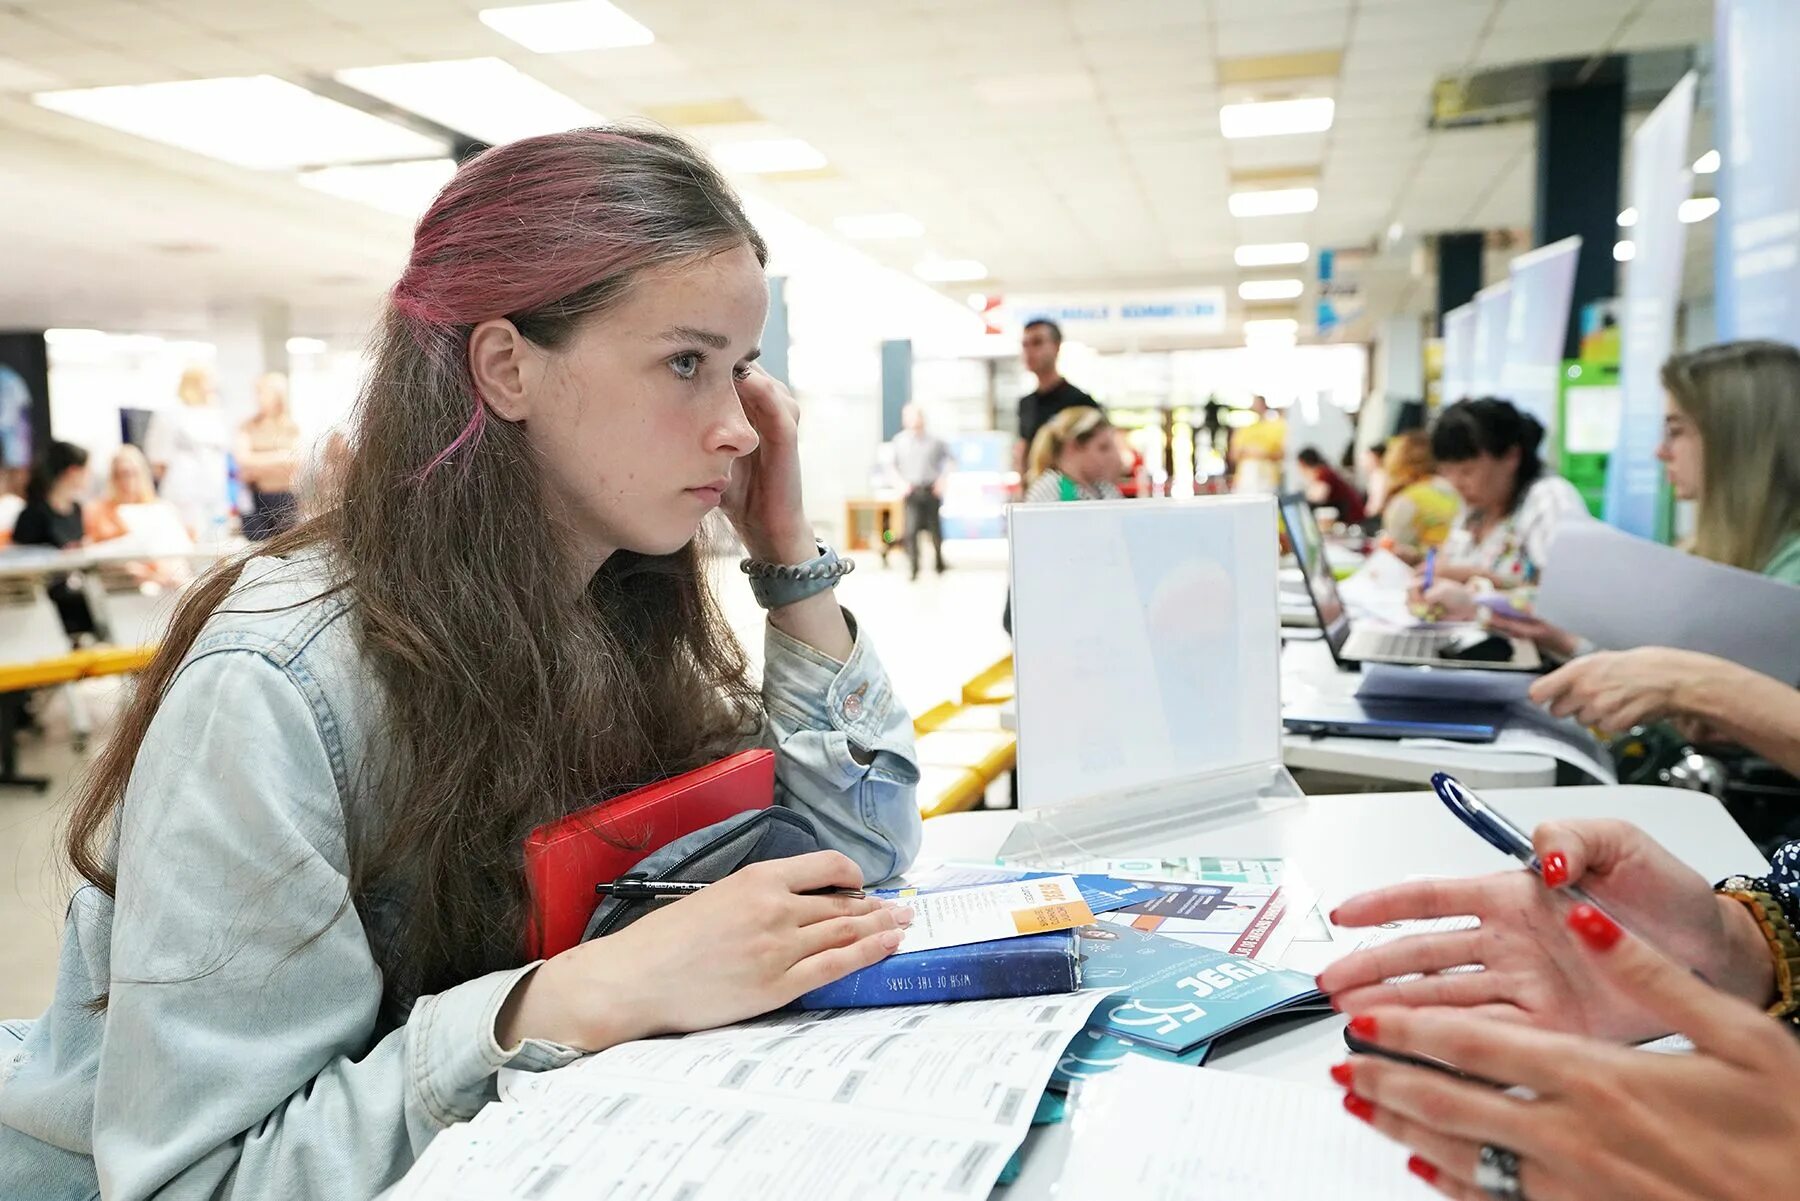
pixel 72 337
pixel 1698 209
pixel 1395 232
pixel 949 271
pixel 1273 118
pixel 767 156
pixel 1628 218
pixel 305 346
pixel 254 121
pixel 405 189
pixel 1270 289
pixel 486 98
pixel 1271 325
pixel 1273 254
pixel 879 225
pixel 576 25
pixel 1707 163
pixel 1624 252
pixel 1274 202
pixel 1271 341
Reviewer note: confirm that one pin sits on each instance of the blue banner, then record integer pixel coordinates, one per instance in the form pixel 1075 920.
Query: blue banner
pixel 1458 380
pixel 1660 181
pixel 1758 94
pixel 1543 282
pixel 1493 310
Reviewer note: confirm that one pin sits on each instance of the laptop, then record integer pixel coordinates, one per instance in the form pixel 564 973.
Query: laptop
pixel 1364 718
pixel 1462 646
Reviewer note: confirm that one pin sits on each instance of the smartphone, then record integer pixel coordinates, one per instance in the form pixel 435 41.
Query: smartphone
pixel 1360 1047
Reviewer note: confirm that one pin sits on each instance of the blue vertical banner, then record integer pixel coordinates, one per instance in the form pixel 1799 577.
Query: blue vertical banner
pixel 896 384
pixel 1660 181
pixel 1543 284
pixel 1458 381
pixel 1758 93
pixel 1327 313
pixel 1493 309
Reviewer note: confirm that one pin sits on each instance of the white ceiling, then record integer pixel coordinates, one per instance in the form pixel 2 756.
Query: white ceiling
pixel 1065 143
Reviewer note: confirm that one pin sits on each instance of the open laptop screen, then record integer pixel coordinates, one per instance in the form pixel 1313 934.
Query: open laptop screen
pixel 1308 542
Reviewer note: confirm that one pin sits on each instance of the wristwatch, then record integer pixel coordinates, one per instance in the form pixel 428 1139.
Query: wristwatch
pixel 778 584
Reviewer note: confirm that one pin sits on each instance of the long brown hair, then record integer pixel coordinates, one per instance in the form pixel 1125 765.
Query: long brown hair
pixel 504 699
pixel 1744 398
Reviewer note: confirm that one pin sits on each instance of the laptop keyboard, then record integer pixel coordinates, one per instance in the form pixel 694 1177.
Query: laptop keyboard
pixel 1407 646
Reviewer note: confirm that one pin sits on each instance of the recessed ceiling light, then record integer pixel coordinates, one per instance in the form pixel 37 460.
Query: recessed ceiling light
pixel 1707 163
pixel 1274 202
pixel 1628 218
pixel 486 98
pixel 949 271
pixel 306 346
pixel 879 225
pixel 1271 325
pixel 1395 232
pixel 1624 252
pixel 254 121
pixel 1698 209
pixel 1273 118
pixel 767 156
pixel 72 336
pixel 1273 254
pixel 406 189
pixel 1270 289
pixel 574 25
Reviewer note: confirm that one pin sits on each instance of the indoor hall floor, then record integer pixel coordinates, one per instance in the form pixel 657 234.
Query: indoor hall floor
pixel 932 635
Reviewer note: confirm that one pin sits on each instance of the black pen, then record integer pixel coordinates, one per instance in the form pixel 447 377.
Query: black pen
pixel 664 890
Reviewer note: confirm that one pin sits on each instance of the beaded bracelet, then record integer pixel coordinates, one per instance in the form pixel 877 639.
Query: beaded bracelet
pixel 1784 946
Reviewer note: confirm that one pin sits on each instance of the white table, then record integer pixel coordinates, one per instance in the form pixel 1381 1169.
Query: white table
pixel 1345 844
pixel 1307 669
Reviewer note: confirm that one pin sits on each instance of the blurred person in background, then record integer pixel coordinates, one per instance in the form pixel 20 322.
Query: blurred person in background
pixel 1040 346
pixel 187 447
pixel 12 499
pixel 268 460
pixel 1074 457
pixel 130 487
pixel 1372 463
pixel 1258 450
pixel 923 462
pixel 1421 506
pixel 52 517
pixel 1326 487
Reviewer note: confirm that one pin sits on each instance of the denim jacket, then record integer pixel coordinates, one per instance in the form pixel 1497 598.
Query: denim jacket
pixel 237 1059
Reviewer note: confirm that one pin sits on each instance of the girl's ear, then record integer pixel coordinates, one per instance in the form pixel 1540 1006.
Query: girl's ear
pixel 504 365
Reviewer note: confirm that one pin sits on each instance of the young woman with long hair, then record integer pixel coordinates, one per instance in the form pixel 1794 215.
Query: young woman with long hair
pixel 1074 457
pixel 298 951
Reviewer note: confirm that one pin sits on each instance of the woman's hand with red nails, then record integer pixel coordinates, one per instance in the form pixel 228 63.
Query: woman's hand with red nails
pixel 1533 969
pixel 1601 1122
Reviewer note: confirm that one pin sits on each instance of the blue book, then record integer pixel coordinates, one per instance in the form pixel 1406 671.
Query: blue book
pixel 1028 966
pixel 1175 996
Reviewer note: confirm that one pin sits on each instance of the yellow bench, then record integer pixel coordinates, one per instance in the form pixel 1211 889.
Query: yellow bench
pixel 76 665
pixel 961 750
pixel 992 687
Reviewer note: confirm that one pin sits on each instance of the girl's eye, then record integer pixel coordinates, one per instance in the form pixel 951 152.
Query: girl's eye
pixel 741 371
pixel 687 365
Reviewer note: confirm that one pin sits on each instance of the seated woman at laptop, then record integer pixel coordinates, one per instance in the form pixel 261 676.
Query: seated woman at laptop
pixel 1731 444
pixel 312 815
pixel 1074 457
pixel 1421 507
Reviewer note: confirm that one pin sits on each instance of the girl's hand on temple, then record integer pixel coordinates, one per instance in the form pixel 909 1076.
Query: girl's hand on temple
pixel 763 501
pixel 737 949
pixel 1602 1122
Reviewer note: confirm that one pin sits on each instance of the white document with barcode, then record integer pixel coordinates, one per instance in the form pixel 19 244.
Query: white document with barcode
pixel 1154 1131
pixel 893 1104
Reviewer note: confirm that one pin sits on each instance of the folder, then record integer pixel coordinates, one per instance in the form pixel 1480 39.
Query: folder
pixel 566 858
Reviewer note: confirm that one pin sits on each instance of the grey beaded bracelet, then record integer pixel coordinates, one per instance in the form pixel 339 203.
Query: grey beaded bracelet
pixel 777 584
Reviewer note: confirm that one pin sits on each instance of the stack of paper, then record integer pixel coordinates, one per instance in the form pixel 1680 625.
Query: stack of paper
pixel 909 1103
pixel 1161 1132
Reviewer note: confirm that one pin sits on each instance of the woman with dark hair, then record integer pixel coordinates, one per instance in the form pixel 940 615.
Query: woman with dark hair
pixel 52 517
pixel 1489 451
pixel 1327 488
pixel 299 952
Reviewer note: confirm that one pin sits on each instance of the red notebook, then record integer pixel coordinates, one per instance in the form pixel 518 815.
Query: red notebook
pixel 565 859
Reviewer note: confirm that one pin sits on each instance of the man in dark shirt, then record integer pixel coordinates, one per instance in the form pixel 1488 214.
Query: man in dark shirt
pixel 1040 346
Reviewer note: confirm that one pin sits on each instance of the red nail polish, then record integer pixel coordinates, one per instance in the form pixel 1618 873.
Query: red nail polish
pixel 1340 1072
pixel 1596 929
pixel 1363 1026
pixel 1422 1169
pixel 1359 1106
pixel 1556 869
